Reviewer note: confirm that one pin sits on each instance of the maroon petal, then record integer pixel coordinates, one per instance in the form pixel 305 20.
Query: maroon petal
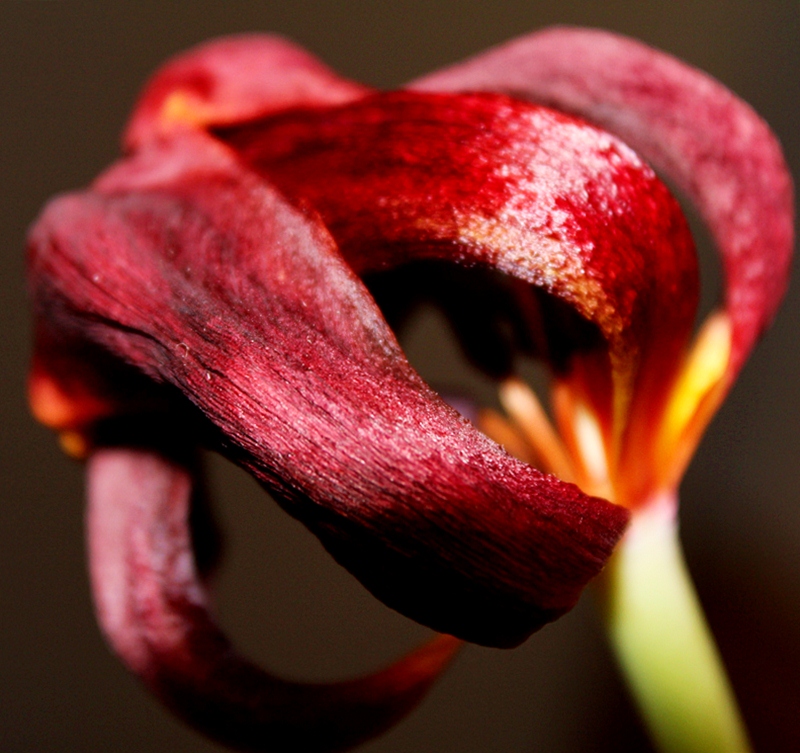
pixel 189 267
pixel 702 136
pixel 154 612
pixel 485 180
pixel 233 79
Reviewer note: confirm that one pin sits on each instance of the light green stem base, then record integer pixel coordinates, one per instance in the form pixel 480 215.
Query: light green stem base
pixel 663 643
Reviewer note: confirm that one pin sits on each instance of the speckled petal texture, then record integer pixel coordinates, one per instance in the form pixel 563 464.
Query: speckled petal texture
pixel 191 268
pixel 713 145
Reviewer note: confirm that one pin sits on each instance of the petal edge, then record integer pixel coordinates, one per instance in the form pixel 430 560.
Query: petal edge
pixel 154 613
pixel 710 142
pixel 205 279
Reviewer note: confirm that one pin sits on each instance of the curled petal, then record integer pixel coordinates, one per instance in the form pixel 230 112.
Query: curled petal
pixel 713 145
pixel 155 614
pixel 484 180
pixel 233 79
pixel 189 267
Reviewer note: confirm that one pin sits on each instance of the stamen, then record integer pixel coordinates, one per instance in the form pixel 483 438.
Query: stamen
pixel 522 405
pixel 592 449
pixel 502 431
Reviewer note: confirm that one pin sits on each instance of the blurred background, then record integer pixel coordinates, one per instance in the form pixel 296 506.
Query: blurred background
pixel 69 74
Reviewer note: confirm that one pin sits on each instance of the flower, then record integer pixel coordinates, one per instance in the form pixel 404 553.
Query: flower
pixel 208 290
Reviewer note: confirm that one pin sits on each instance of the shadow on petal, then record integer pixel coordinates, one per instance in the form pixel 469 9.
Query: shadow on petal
pixel 154 612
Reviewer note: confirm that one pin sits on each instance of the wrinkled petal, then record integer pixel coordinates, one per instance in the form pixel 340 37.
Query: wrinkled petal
pixel 188 266
pixel 713 145
pixel 155 614
pixel 485 180
pixel 233 79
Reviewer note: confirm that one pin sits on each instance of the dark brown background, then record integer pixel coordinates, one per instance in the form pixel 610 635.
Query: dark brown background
pixel 68 75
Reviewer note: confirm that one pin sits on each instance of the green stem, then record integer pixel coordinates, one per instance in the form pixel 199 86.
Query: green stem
pixel 663 642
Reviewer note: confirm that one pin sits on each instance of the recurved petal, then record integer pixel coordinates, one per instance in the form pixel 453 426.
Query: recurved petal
pixel 232 79
pixel 154 612
pixel 713 145
pixel 188 266
pixel 483 179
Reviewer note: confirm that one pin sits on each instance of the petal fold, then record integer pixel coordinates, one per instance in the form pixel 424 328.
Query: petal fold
pixel 154 612
pixel 712 144
pixel 233 79
pixel 485 180
pixel 189 267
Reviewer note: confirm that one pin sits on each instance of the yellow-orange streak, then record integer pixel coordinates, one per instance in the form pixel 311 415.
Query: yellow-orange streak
pixel 61 408
pixel 695 398
pixel 184 108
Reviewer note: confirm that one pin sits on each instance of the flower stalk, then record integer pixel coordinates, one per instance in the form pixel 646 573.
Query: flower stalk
pixel 663 643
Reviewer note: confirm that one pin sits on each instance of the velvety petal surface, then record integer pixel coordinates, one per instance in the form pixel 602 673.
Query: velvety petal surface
pixel 155 613
pixel 185 264
pixel 232 79
pixel 713 145
pixel 484 180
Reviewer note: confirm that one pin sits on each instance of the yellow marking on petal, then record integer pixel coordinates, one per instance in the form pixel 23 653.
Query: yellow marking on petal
pixel 64 410
pixel 547 262
pixel 705 366
pixel 50 405
pixel 693 402
pixel 502 431
pixel 182 107
pixel 521 403
pixel 623 377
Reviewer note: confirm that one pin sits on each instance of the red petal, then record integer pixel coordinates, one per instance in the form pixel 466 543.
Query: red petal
pixel 702 136
pixel 482 179
pixel 155 614
pixel 189 267
pixel 232 79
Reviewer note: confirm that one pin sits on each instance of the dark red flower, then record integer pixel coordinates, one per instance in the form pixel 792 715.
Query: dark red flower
pixel 207 291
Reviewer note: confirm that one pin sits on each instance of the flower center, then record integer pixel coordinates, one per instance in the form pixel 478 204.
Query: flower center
pixel 576 445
